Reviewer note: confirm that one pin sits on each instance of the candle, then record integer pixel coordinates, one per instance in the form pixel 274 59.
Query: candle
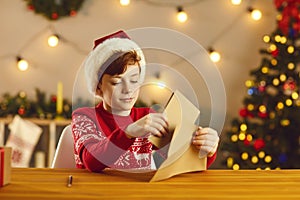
pixel 40 158
pixel 59 98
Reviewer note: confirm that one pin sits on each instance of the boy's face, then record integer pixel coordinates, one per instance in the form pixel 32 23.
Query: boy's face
pixel 120 92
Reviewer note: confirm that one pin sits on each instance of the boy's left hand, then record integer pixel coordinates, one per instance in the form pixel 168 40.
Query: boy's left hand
pixel 206 140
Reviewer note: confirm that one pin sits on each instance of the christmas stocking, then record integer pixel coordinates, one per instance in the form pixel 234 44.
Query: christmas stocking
pixel 23 137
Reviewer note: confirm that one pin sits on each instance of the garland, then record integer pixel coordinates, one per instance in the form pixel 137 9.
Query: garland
pixel 55 9
pixel 42 107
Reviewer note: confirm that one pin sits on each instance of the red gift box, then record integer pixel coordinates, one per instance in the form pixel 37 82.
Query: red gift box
pixel 5 165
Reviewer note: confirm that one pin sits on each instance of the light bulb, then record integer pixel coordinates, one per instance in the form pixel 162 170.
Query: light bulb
pixel 236 167
pixel 290 49
pixel 255 14
pixel 250 107
pixel 249 83
pixel 254 159
pixel 214 55
pixel 53 40
pixel 280 105
pixel 262 108
pixel 295 95
pixel 181 15
pixel 229 162
pixel 243 127
pixel 236 2
pixel 264 70
pixel 266 38
pixel 234 138
pixel 275 82
pixel 124 2
pixel 245 156
pixel 242 136
pixel 288 102
pixel 22 64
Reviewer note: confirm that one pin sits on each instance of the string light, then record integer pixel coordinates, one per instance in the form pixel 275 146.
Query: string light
pixel 277 38
pixel 124 2
pixel 275 82
pixel 266 39
pixel 242 136
pixel 272 115
pixel 267 168
pixel 282 77
pixel 262 108
pixel 249 83
pixel 298 104
pixel 291 66
pixel 229 162
pixel 255 13
pixel 181 15
pixel 295 95
pixel 288 102
pixel 236 2
pixel 280 106
pixel 243 127
pixel 268 159
pixel 250 107
pixel 283 40
pixel 234 129
pixel 214 55
pixel 22 64
pixel 261 154
pixel 234 138
pixel 235 167
pixel 254 159
pixel 264 70
pixel 274 62
pixel 285 122
pixel 290 49
pixel 245 156
pixel 272 47
pixel 53 40
pixel 249 137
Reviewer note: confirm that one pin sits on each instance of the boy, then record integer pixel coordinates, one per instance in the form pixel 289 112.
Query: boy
pixel 115 134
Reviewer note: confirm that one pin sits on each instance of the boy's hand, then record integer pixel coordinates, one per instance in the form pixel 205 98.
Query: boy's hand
pixel 153 123
pixel 206 140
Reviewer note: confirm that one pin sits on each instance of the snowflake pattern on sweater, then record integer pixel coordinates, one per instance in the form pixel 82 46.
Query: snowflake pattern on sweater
pixel 85 131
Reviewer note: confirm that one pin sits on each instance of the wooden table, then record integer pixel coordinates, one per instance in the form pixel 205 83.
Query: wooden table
pixel 33 183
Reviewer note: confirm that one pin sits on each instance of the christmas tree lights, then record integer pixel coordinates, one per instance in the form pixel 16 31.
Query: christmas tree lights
pixel 266 134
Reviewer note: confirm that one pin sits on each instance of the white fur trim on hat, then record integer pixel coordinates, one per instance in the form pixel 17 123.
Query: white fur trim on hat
pixel 102 53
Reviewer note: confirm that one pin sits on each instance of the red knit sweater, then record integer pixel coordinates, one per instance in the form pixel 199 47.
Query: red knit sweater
pixel 100 140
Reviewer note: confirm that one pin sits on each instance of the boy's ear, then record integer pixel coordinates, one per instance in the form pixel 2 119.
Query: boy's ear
pixel 99 90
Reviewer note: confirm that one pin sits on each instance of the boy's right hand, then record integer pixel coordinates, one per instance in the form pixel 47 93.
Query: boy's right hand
pixel 153 123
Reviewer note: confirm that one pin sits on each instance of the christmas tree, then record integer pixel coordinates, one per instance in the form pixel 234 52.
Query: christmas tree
pixel 266 134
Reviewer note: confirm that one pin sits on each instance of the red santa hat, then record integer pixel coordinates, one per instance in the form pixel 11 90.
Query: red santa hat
pixel 105 48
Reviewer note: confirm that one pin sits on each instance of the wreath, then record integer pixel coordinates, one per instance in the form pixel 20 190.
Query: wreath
pixel 55 9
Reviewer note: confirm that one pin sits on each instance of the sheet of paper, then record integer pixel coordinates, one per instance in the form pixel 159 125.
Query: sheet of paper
pixel 182 157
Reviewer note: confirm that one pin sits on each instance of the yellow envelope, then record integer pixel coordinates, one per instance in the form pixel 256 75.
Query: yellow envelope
pixel 182 156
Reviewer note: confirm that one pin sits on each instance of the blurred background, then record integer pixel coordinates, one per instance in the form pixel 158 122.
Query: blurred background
pixel 233 29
